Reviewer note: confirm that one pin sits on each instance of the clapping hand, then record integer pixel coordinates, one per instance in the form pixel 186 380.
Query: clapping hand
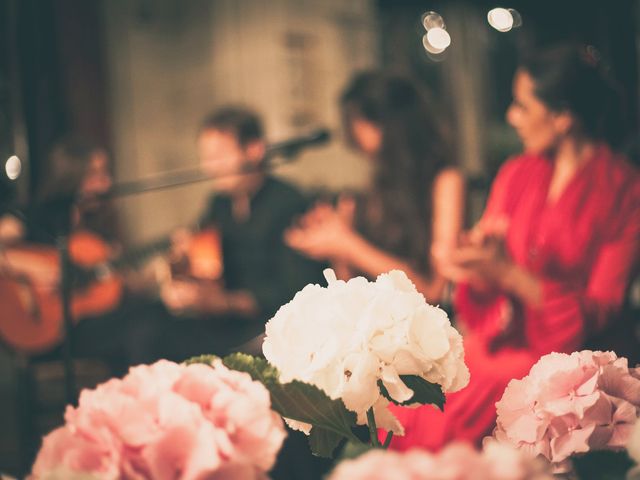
pixel 325 232
pixel 480 258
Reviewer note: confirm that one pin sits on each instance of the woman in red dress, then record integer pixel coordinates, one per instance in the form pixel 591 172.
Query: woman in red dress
pixel 551 259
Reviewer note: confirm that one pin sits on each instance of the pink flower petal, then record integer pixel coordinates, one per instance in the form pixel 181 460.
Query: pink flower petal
pixel 574 441
pixel 586 400
pixel 167 421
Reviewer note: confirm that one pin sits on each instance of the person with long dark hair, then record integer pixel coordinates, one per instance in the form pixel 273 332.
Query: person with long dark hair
pixel 415 204
pixel 69 198
pixel 72 202
pixel 550 261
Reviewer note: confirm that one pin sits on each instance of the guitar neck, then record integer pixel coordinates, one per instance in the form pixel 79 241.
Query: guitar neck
pixel 137 255
pixel 129 258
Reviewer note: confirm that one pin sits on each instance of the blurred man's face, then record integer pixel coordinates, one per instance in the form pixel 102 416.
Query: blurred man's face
pixel 223 159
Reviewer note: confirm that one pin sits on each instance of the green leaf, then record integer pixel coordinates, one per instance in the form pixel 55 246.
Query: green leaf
pixel 354 450
pixel 206 359
pixel 423 391
pixel 324 442
pixel 299 401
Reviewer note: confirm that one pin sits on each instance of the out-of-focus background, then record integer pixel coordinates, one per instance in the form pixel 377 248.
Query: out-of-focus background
pixel 138 76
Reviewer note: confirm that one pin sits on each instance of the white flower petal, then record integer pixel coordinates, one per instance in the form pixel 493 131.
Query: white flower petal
pixel 361 388
pixel 348 336
pixel 299 426
pixel 395 386
pixel 385 419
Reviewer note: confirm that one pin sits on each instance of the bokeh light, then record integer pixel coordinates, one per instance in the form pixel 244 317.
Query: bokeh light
pixel 432 20
pixel 504 19
pixel 437 39
pixel 13 167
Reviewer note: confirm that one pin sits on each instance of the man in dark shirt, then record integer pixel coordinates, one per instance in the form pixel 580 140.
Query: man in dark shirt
pixel 251 211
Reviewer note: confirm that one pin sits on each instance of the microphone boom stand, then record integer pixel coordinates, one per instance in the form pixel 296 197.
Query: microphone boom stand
pixel 125 189
pixel 66 281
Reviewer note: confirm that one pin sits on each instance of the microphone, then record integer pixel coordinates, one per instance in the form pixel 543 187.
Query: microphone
pixel 287 150
pixel 292 147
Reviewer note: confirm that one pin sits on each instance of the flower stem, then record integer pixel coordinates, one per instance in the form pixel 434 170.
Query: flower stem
pixel 387 440
pixel 373 429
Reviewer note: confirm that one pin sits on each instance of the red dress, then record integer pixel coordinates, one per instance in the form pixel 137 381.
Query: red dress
pixel 583 247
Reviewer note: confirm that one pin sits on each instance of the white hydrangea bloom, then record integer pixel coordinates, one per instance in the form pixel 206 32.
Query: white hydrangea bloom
pixel 346 337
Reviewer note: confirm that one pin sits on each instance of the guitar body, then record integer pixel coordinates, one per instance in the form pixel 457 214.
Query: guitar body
pixel 204 256
pixel 31 318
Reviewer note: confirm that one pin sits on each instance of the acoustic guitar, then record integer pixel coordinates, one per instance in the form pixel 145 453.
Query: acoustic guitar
pixel 31 318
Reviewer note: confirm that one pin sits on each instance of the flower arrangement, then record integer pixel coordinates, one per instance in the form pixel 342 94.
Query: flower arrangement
pixel 458 461
pixel 336 357
pixel 166 421
pixel 571 404
pixel 366 344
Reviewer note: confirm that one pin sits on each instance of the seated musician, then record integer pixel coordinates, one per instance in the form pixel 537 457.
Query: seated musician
pixel 69 202
pixel 250 210
pixel 75 170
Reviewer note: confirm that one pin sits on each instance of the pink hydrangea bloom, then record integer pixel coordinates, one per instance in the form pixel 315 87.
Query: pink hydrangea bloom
pixel 458 461
pixel 570 404
pixel 167 421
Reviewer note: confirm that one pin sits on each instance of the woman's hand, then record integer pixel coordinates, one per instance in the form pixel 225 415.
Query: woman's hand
pixel 324 233
pixel 480 259
pixel 11 229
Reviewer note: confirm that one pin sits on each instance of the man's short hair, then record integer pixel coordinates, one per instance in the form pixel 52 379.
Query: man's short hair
pixel 242 123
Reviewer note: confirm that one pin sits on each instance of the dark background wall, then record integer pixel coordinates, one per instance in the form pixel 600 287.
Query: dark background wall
pixel 53 77
pixel 610 26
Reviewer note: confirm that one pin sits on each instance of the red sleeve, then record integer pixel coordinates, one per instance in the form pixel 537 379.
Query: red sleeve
pixel 502 192
pixel 568 312
pixel 484 312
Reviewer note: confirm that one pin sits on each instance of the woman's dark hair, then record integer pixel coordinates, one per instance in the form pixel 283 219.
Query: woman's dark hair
pixel 66 167
pixel 398 214
pixel 571 78
pixel 243 123
pixel 57 195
